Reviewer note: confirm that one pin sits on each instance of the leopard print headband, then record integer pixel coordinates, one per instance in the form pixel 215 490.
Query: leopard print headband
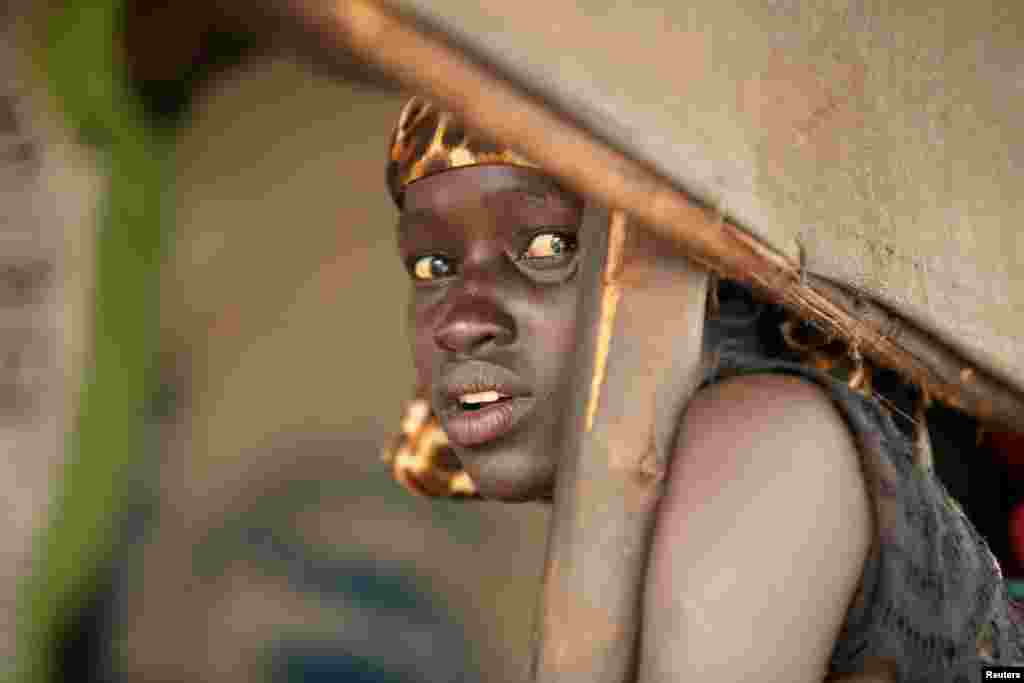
pixel 428 140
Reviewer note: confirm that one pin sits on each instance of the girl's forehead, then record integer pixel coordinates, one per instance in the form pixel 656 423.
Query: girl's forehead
pixel 482 184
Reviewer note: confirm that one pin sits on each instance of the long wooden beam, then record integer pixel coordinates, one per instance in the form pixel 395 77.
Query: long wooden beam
pixel 422 60
pixel 641 324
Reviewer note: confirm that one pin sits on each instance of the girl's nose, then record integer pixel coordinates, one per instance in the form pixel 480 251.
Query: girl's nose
pixel 472 324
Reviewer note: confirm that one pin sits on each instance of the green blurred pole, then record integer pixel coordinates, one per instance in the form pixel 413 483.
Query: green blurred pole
pixel 77 52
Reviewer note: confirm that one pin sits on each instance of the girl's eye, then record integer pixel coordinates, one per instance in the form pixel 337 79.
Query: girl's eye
pixel 431 267
pixel 549 245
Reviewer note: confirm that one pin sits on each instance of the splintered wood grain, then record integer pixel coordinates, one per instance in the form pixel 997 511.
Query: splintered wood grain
pixel 609 303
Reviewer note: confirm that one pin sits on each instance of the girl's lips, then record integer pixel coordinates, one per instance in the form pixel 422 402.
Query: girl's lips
pixel 475 427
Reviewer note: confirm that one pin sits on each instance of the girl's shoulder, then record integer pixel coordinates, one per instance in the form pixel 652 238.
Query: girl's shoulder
pixel 932 603
pixel 760 538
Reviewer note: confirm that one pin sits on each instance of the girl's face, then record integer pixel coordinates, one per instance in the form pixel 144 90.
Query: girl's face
pixel 493 257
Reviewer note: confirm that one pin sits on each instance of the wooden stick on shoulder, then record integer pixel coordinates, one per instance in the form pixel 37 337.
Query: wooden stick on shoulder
pixel 639 361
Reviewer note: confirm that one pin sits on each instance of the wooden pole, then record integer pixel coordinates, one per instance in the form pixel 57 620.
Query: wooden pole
pixel 421 59
pixel 641 322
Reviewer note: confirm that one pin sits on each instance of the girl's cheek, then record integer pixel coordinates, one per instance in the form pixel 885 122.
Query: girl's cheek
pixel 565 339
pixel 421 361
pixel 559 344
pixel 422 321
pixel 563 332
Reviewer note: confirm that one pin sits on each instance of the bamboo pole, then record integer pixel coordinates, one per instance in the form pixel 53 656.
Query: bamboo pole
pixel 419 59
pixel 641 323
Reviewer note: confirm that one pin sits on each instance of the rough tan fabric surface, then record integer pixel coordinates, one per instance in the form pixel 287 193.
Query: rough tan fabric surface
pixel 879 138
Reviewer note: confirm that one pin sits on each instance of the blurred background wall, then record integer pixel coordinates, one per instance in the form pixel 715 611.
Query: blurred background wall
pixel 267 538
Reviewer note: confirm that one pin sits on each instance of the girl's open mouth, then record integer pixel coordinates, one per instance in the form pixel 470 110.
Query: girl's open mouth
pixel 481 400
pixel 477 419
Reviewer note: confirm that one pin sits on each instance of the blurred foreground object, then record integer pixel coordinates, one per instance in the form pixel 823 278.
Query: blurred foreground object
pixel 69 53
pixel 49 190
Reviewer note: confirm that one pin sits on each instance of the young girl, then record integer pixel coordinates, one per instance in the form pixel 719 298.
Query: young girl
pixel 803 535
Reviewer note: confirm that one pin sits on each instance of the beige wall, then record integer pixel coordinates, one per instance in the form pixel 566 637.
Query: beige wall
pixel 284 327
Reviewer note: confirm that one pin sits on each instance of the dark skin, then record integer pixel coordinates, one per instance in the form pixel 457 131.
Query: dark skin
pixel 491 251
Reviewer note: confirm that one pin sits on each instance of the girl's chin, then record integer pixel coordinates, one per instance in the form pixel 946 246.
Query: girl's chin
pixel 508 490
pixel 500 480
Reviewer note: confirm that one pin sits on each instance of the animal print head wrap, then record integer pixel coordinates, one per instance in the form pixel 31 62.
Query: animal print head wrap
pixel 427 140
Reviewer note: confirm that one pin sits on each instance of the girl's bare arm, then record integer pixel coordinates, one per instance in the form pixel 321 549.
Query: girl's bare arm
pixel 760 539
